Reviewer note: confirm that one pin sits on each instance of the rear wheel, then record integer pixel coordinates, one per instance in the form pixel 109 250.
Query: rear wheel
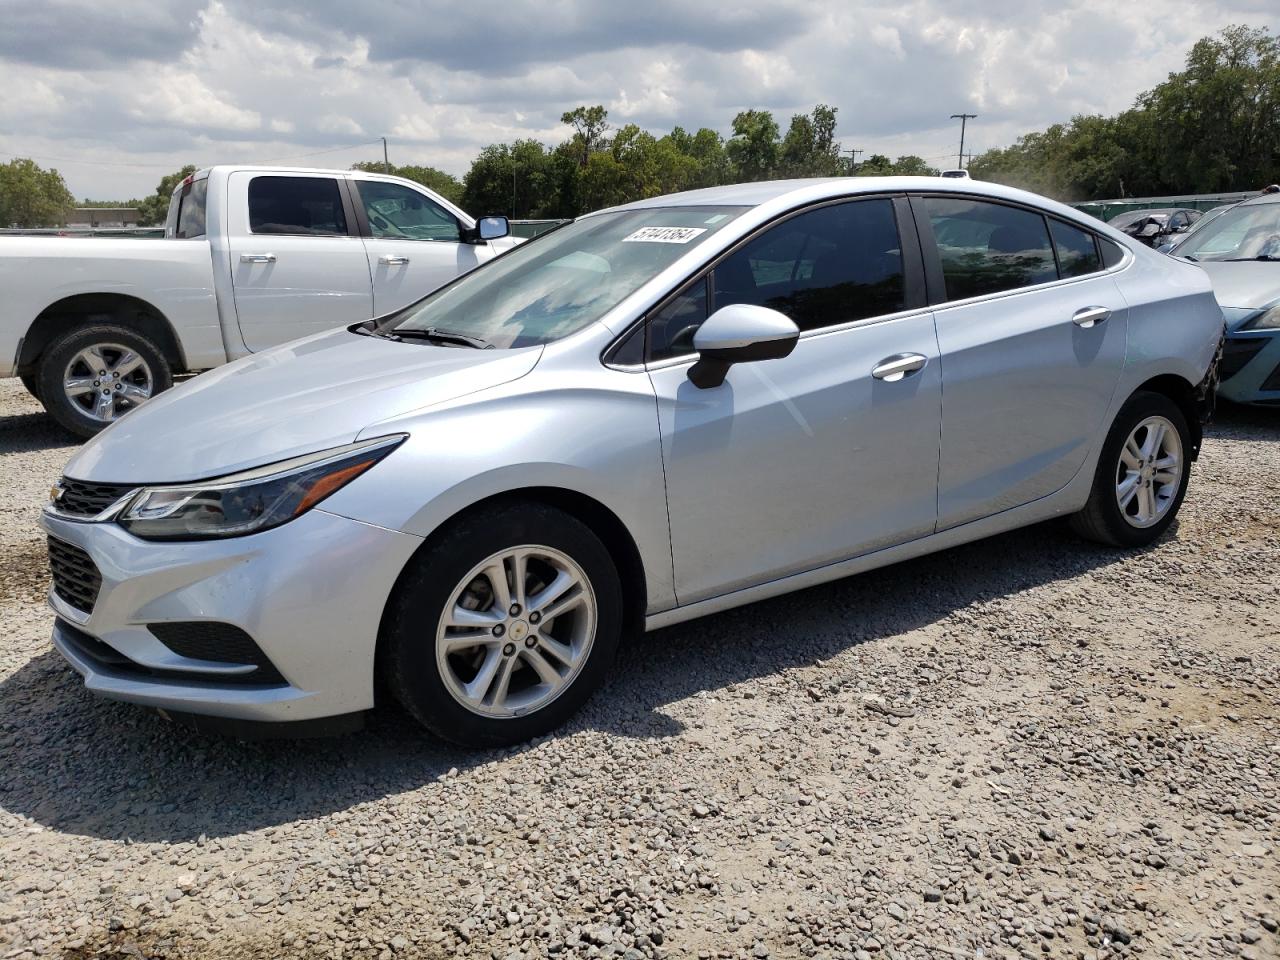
pixel 1142 474
pixel 94 375
pixel 504 627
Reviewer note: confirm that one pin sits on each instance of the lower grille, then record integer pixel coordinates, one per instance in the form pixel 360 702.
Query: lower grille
pixel 1273 380
pixel 1237 353
pixel 76 579
pixel 106 659
pixel 220 643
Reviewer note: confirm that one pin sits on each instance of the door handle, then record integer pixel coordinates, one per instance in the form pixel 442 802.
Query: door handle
pixel 257 258
pixel 893 369
pixel 1090 316
pixel 391 261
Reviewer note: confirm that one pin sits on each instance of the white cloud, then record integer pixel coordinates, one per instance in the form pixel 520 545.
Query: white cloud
pixel 148 85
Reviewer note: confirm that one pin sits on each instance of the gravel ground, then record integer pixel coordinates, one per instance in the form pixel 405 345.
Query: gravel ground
pixel 1024 747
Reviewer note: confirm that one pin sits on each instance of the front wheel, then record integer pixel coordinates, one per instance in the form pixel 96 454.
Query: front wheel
pixel 1142 474
pixel 504 626
pixel 96 374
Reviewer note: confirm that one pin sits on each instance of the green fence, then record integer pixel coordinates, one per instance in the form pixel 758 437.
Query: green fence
pixel 532 228
pixel 1106 209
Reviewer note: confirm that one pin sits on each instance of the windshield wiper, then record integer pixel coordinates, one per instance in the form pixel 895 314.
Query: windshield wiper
pixel 438 336
pixel 1266 258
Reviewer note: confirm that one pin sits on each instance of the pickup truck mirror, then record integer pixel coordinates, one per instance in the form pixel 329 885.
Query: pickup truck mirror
pixel 489 228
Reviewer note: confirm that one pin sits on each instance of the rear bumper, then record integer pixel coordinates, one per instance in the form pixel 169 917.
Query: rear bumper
pixel 310 594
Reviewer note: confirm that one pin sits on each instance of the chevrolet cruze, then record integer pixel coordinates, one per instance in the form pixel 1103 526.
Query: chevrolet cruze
pixel 653 413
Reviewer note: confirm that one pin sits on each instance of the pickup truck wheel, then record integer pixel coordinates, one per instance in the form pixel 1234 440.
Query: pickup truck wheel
pixel 94 375
pixel 32 383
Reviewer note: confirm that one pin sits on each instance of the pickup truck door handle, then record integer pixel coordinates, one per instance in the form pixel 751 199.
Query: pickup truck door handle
pixel 1090 316
pixel 393 261
pixel 898 366
pixel 257 258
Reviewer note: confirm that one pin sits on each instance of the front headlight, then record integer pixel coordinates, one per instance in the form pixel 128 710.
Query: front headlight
pixel 251 501
pixel 1267 321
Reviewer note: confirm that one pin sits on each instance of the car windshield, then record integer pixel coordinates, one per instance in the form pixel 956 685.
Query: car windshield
pixel 1247 232
pixel 562 281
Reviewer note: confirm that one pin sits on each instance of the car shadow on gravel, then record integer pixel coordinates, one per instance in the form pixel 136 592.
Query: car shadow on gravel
pixel 28 432
pixel 78 764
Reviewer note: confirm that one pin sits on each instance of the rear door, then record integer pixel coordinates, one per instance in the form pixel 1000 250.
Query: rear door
pixel 297 263
pixel 414 243
pixel 1031 329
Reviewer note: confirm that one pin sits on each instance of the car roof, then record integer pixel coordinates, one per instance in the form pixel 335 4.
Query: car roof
pixel 817 188
pixel 1265 198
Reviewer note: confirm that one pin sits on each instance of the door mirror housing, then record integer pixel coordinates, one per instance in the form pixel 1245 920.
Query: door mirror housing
pixel 739 333
pixel 486 229
pixel 1150 230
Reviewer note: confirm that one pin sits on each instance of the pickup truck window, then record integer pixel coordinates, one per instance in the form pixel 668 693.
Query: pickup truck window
pixel 186 211
pixel 397 212
pixel 308 206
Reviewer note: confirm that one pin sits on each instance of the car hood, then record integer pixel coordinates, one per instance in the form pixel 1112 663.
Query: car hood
pixel 1248 283
pixel 307 395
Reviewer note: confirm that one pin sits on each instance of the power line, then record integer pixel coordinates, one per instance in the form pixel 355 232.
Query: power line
pixel 316 153
pixel 169 166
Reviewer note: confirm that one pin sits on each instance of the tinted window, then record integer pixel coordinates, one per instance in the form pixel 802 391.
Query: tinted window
pixel 1111 253
pixel 1077 253
pixel 186 211
pixel 825 267
pixel 671 329
pixel 404 214
pixel 296 205
pixel 989 247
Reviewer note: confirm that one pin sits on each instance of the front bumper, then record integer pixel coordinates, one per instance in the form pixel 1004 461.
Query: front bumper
pixel 1251 367
pixel 309 593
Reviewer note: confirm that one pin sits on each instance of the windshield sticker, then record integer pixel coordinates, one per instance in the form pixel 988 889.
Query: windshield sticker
pixel 664 234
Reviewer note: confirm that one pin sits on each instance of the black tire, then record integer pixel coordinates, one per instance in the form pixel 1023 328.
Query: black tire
pixel 32 383
pixel 1101 519
pixel 53 366
pixel 407 644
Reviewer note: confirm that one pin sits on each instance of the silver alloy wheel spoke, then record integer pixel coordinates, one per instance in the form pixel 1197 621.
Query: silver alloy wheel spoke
pixel 1149 471
pixel 516 631
pixel 104 380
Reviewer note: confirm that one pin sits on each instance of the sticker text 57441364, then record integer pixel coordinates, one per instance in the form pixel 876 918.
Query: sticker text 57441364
pixel 664 235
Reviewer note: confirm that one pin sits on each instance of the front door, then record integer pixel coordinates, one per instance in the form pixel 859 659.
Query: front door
pixel 297 265
pixel 413 243
pixel 795 463
pixel 1031 352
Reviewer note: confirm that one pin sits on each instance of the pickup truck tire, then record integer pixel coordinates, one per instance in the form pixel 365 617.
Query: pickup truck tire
pixel 94 375
pixel 32 383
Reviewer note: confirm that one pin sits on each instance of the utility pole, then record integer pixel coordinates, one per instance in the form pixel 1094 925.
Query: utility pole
pixel 513 188
pixel 963 118
pixel 386 164
pixel 853 158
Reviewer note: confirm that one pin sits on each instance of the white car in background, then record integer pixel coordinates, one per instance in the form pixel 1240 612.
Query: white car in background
pixel 251 257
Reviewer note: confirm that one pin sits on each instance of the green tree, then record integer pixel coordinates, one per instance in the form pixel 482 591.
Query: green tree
pixel 810 149
pixel 589 127
pixel 31 196
pixel 754 147
pixel 445 184
pixel 153 210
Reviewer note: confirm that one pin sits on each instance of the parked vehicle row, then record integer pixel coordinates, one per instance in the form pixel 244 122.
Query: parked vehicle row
pixel 653 413
pixel 1240 252
pixel 1153 226
pixel 252 257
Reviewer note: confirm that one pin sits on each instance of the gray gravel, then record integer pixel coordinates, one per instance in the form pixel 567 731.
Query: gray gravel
pixel 1027 747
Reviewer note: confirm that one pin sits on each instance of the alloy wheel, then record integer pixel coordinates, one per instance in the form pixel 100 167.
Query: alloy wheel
pixel 516 631
pixel 1149 471
pixel 105 380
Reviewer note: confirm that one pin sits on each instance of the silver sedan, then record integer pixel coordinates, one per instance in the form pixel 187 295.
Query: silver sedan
pixel 653 413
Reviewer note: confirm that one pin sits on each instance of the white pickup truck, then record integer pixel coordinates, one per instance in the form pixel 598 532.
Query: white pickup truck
pixel 252 257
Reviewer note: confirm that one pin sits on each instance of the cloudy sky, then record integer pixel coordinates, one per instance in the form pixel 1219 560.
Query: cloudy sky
pixel 116 94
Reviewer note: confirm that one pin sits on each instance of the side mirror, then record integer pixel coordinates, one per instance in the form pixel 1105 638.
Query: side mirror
pixel 1150 230
pixel 739 333
pixel 492 228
